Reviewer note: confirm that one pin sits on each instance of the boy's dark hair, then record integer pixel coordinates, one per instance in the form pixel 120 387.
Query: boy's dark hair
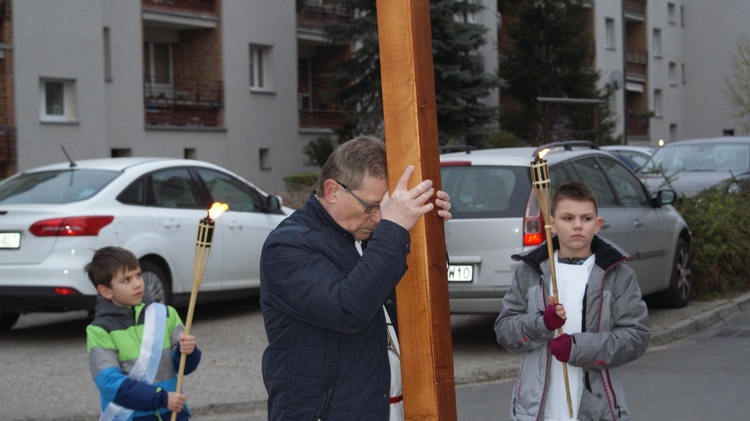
pixel 107 261
pixel 576 191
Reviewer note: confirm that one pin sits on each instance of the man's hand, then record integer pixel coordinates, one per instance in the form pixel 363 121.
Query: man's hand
pixel 404 206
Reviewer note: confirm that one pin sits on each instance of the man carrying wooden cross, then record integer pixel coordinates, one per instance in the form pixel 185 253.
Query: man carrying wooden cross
pixel 328 273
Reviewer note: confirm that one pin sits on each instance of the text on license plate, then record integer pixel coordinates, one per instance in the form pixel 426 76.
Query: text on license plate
pixel 10 240
pixel 460 273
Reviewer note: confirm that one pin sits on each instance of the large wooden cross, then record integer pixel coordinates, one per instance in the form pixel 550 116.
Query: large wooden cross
pixel 412 138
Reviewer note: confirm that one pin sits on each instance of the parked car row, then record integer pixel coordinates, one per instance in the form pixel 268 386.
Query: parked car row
pixel 53 218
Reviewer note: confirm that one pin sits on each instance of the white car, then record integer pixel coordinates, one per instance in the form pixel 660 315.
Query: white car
pixel 638 154
pixel 53 218
pixel 496 215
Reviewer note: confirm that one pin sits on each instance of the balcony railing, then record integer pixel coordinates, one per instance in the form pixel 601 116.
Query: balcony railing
pixel 321 119
pixel 200 6
pixel 8 151
pixel 637 125
pixel 637 6
pixel 636 62
pixel 314 14
pixel 184 102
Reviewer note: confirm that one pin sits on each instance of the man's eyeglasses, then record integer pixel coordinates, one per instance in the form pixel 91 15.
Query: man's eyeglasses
pixel 369 208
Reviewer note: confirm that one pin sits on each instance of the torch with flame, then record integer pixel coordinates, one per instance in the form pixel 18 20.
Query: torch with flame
pixel 202 250
pixel 541 184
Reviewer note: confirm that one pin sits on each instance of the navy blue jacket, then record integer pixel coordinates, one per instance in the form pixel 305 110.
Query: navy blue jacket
pixel 322 306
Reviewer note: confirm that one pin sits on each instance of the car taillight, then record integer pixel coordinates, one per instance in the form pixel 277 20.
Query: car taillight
pixel 70 227
pixel 533 223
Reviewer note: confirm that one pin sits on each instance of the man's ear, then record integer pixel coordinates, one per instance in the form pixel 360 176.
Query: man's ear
pixel 599 222
pixel 104 291
pixel 331 190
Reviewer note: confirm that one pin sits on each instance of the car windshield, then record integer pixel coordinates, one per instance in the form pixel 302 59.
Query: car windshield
pixel 50 187
pixel 704 157
pixel 486 191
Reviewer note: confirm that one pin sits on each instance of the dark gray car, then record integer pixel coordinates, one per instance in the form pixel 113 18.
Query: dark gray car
pixel 689 166
pixel 495 215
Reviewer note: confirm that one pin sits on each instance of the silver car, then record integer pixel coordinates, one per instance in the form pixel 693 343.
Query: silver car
pixel 689 166
pixel 496 215
pixel 53 218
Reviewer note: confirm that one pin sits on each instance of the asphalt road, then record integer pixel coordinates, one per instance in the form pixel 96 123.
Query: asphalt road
pixel 45 373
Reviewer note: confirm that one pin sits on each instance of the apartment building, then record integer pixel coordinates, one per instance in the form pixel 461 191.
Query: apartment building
pixel 666 62
pixel 238 82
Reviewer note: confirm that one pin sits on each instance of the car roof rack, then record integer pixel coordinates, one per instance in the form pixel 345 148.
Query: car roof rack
pixel 568 145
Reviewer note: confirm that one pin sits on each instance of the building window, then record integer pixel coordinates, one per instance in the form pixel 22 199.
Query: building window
pixel 107 55
pixel 673 73
pixel 263 156
pixel 671 13
pixel 610 40
pixel 121 152
pixel 57 100
pixel 157 63
pixel 657 42
pixel 682 73
pixel 190 153
pixel 658 106
pixel 682 16
pixel 672 132
pixel 260 64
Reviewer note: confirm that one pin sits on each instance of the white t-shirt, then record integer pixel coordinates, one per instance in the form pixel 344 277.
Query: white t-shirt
pixel 571 283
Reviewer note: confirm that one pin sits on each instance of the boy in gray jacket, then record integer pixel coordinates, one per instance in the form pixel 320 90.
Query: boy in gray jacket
pixel 600 310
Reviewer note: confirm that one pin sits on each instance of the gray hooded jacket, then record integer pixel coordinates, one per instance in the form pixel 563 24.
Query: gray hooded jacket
pixel 616 331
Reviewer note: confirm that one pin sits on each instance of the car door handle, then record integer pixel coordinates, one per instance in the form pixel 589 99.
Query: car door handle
pixel 637 224
pixel 171 223
pixel 605 226
pixel 234 225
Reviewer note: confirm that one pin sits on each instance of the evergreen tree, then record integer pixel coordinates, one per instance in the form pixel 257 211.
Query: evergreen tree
pixel 460 81
pixel 548 54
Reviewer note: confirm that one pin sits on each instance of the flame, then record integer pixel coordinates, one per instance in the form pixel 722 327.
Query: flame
pixel 217 209
pixel 543 152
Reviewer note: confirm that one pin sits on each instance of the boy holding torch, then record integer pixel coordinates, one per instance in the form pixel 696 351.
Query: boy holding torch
pixel 599 308
pixel 134 345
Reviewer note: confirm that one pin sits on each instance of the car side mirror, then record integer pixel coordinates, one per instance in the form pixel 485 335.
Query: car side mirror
pixel 666 197
pixel 273 203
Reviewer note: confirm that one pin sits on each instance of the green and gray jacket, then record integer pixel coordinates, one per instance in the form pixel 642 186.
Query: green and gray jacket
pixel 114 340
pixel 616 331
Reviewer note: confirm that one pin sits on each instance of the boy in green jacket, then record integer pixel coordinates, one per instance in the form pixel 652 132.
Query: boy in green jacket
pixel 134 344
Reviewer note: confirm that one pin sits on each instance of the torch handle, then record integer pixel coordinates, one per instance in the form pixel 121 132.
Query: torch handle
pixel 553 277
pixel 202 250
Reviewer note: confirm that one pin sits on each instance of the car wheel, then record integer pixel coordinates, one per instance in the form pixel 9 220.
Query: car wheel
pixel 157 285
pixel 7 320
pixel 680 286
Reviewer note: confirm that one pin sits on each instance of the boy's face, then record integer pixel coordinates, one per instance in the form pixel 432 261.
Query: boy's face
pixel 575 224
pixel 126 290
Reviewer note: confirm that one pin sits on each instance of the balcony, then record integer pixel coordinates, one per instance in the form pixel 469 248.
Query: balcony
pixel 321 119
pixel 636 62
pixel 635 6
pixel 8 151
pixel 314 14
pixel 184 102
pixel 637 125
pixel 185 6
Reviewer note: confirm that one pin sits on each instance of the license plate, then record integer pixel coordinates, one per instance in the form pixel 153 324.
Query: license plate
pixel 460 273
pixel 10 240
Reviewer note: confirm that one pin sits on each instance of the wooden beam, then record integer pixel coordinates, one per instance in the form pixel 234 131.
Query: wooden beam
pixel 411 138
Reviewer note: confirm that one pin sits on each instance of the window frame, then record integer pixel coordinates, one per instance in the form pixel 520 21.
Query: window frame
pixel 67 101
